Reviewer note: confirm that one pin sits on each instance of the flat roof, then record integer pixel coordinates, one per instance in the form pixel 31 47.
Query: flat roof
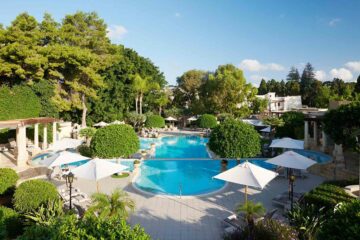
pixel 27 121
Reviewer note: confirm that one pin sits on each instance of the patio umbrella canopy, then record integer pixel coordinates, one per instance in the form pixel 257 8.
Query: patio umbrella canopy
pixel 62 158
pixel 97 169
pixel 247 174
pixel 101 124
pixel 192 119
pixel 170 119
pixel 291 159
pixel 117 122
pixel 65 143
pixel 267 129
pixel 287 143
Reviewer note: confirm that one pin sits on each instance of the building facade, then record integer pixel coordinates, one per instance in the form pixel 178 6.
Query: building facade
pixel 281 104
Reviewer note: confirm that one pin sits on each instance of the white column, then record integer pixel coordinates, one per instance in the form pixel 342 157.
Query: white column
pixel 315 134
pixel 324 141
pixel 306 134
pixel 54 132
pixel 22 155
pixel 339 156
pixel 45 137
pixel 36 135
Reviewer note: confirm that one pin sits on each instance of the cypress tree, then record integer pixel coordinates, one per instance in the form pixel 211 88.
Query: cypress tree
pixel 262 88
pixel 293 75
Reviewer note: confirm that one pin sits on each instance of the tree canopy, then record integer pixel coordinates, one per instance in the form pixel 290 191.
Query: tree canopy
pixel 234 139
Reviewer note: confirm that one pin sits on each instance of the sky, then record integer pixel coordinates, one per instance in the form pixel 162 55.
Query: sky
pixel 264 38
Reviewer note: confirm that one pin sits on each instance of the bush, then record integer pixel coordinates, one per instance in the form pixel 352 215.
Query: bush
pixel 88 133
pixel 30 195
pixel 115 141
pixel 234 139
pixel 69 227
pixel 155 121
pixel 207 121
pixel 293 125
pixel 10 223
pixel 85 150
pixel 327 195
pixel 8 179
pixel 343 224
pixel 266 230
pixel 18 102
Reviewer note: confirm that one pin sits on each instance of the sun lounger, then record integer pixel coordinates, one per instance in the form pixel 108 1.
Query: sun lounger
pixel 283 200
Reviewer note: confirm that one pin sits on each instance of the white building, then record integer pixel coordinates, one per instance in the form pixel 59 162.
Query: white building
pixel 281 104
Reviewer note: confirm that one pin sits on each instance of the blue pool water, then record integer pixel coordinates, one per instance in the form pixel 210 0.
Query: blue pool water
pixel 191 177
pixel 177 146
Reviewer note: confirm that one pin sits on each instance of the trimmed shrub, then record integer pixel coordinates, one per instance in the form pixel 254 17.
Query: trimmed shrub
pixel 69 227
pixel 235 139
pixel 266 230
pixel 343 224
pixel 293 125
pixel 85 150
pixel 10 223
pixel 154 121
pixel 8 179
pixel 115 141
pixel 18 102
pixel 31 194
pixel 207 121
pixel 327 195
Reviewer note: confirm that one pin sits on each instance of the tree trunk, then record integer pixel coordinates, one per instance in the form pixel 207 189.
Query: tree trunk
pixel 136 104
pixel 160 110
pixel 84 111
pixel 140 103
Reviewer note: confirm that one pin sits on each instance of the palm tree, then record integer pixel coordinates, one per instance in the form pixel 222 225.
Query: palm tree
pixel 118 204
pixel 251 210
pixel 141 86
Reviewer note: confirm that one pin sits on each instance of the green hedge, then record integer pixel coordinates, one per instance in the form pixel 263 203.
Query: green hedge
pixel 115 141
pixel 85 150
pixel 154 121
pixel 18 102
pixel 31 194
pixel 327 195
pixel 10 223
pixel 70 227
pixel 343 224
pixel 8 179
pixel 207 121
pixel 234 139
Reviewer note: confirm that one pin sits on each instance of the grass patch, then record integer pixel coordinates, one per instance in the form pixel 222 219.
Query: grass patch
pixel 123 175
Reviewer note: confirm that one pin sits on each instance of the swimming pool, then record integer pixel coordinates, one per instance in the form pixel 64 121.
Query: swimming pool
pixel 184 177
pixel 190 177
pixel 177 146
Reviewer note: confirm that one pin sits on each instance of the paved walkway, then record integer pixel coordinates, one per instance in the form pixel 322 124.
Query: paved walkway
pixel 191 218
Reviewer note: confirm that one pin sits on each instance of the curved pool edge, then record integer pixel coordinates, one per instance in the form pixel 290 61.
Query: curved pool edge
pixel 136 188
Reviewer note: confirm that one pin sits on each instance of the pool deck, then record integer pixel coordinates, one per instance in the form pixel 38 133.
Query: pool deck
pixel 178 218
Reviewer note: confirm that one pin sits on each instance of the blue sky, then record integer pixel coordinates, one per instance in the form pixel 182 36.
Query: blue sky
pixel 264 38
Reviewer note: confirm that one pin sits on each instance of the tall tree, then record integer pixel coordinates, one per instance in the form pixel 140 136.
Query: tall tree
pixel 292 88
pixel 262 88
pixel 142 85
pixel 88 51
pixel 357 86
pixel 307 79
pixel 293 75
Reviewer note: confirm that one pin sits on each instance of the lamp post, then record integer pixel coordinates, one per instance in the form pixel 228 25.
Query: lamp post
pixel 292 180
pixel 70 180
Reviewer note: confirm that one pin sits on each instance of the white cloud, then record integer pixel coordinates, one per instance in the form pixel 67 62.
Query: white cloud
pixel 255 66
pixel 333 22
pixel 354 66
pixel 341 73
pixel 256 79
pixel 320 75
pixel 116 32
pixel 177 15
